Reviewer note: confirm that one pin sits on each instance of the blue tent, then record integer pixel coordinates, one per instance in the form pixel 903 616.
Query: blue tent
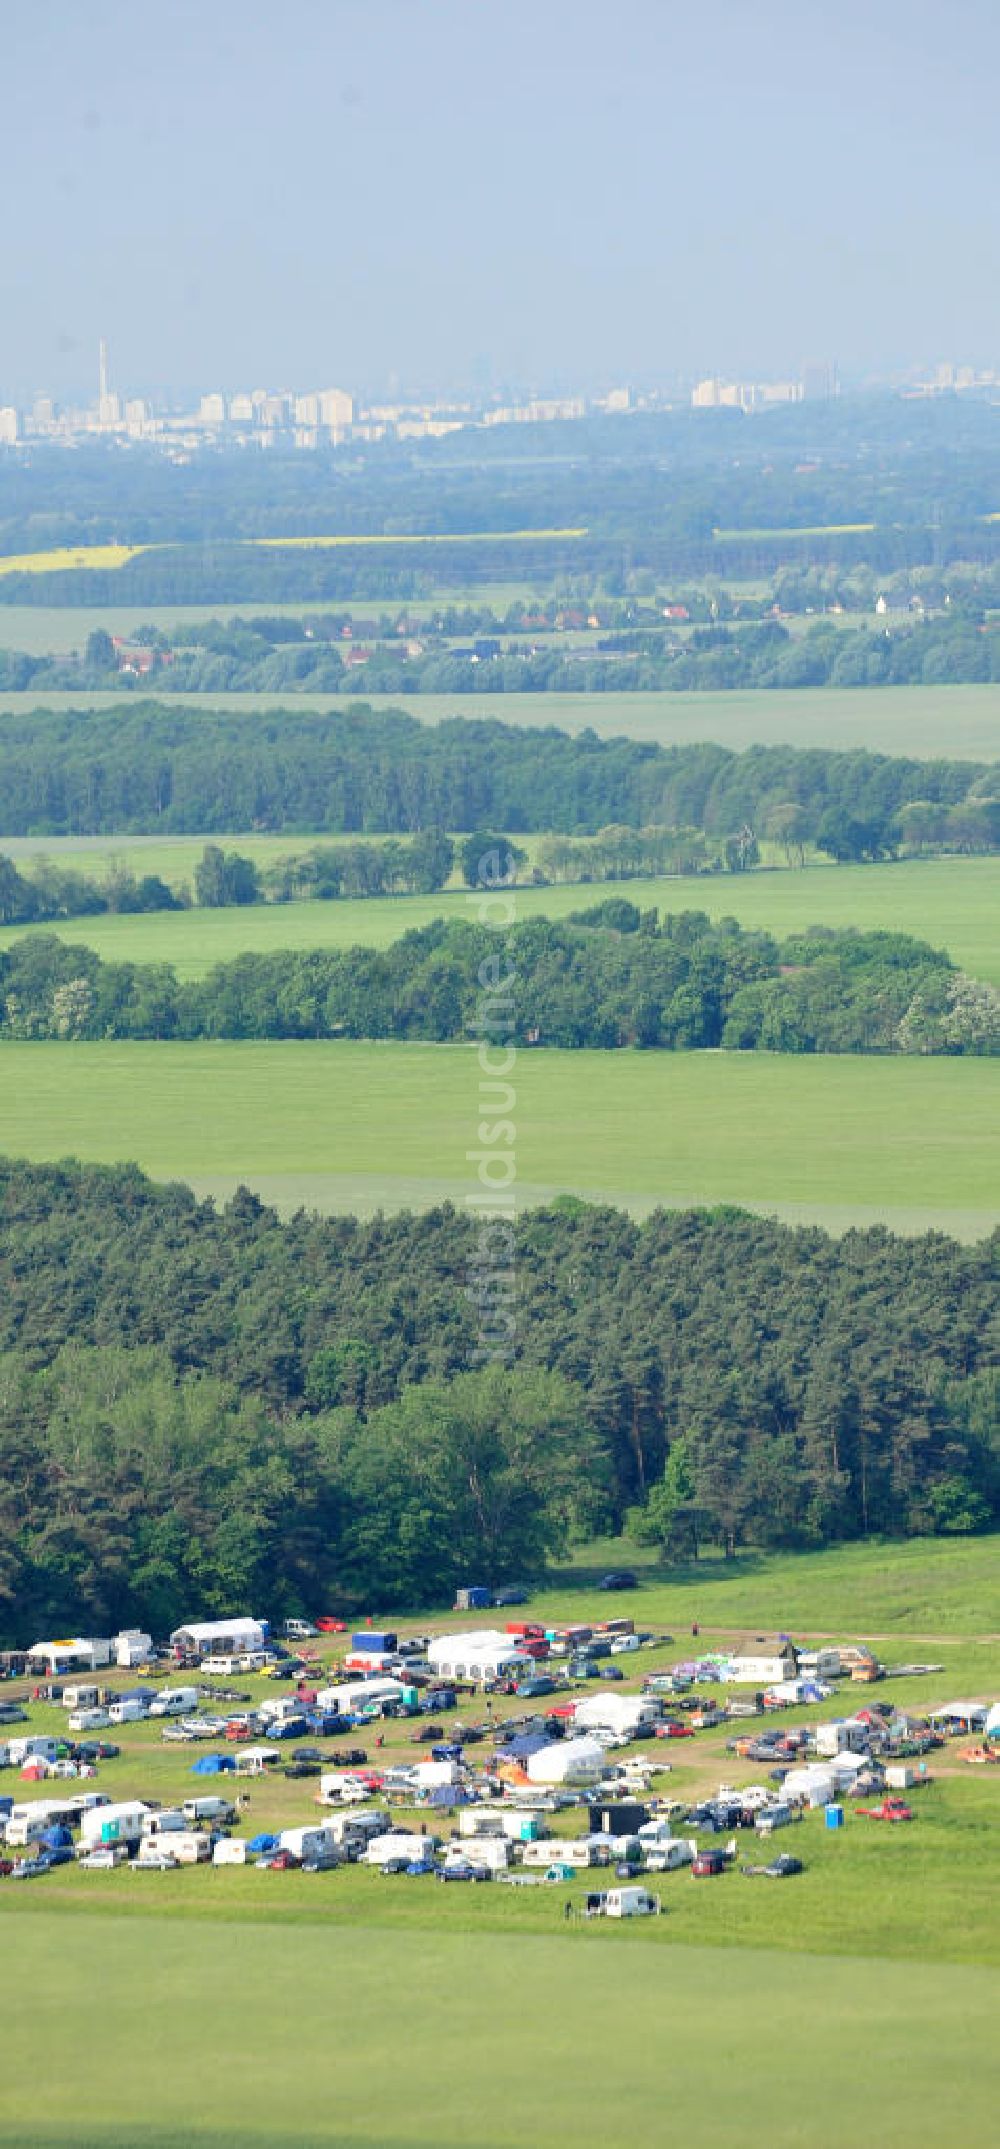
pixel 212 1764
pixel 262 1843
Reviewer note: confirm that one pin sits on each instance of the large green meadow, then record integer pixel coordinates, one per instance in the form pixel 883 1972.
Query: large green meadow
pixel 959 722
pixel 236 2005
pixel 912 1143
pixel 952 902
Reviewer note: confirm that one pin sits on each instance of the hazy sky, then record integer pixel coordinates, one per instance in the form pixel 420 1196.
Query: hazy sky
pixel 344 191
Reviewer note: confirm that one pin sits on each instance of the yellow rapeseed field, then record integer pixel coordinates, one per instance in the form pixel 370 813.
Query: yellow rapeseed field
pixel 446 537
pixel 68 556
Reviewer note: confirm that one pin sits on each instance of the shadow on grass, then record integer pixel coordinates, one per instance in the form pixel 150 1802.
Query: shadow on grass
pixel 710 1569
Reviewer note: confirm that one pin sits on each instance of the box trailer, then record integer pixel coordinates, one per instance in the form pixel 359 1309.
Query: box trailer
pixel 631 1903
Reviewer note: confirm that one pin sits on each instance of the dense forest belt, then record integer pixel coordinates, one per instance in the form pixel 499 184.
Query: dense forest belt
pixel 298 1419
pixel 153 768
pixel 608 977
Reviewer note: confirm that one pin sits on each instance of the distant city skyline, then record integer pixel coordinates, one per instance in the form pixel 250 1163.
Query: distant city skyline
pixel 444 196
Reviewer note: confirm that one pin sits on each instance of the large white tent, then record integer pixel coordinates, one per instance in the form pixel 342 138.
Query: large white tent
pixel 483 1654
pixel 569 1761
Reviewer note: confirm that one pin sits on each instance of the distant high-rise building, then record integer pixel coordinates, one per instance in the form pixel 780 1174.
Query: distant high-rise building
pixel 212 409
pixel 10 429
pixel 109 409
pixel 336 409
pixel 241 408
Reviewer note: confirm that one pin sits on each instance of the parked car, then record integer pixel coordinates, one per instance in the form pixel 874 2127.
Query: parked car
pixel 708 1864
pixel 609 1671
pixel 326 1625
pixel 891 1809
pixel 674 1729
pixel 619 1578
pixel 779 1869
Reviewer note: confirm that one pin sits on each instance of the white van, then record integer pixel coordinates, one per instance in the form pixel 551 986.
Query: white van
pixel 175 1701
pixel 211 1808
pixel 668 1857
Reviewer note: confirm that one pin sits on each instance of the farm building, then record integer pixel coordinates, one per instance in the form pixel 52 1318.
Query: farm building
pixel 481 1655
pixel 220 1637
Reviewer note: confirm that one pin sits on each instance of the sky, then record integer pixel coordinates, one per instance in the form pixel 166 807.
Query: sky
pixel 407 194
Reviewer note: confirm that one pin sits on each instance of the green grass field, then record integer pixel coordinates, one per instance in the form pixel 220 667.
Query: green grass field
pixel 952 902
pixel 962 722
pixel 55 629
pixel 322 2034
pixel 347 1126
pixel 236 2006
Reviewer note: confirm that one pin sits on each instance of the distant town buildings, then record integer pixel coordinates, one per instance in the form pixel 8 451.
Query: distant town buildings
pixel 312 418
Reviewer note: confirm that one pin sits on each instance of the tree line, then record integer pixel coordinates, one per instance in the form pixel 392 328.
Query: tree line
pixel 149 768
pixel 202 1408
pixel 649 658
pixel 223 879
pixel 609 978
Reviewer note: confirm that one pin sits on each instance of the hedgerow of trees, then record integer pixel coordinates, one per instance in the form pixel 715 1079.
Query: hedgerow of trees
pixel 610 977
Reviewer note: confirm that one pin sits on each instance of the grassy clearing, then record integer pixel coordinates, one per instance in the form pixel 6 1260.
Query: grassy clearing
pixel 745 2013
pixel 397 2038
pixel 44 630
pixel 912 1143
pixel 952 902
pixel 961 722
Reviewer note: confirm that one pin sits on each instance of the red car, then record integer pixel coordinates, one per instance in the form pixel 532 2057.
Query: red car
pixel 708 1865
pixel 674 1730
pixel 891 1809
pixel 325 1625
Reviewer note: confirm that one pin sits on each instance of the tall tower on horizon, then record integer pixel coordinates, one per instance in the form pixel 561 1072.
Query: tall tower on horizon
pixel 108 406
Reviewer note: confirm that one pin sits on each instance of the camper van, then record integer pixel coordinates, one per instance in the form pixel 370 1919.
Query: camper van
pixel 175 1701
pixel 210 1808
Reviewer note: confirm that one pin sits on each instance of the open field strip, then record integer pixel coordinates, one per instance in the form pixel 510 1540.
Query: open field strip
pixel 953 903
pixel 83 558
pixel 436 2040
pixel 346 1126
pixel 55 629
pixel 960 722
